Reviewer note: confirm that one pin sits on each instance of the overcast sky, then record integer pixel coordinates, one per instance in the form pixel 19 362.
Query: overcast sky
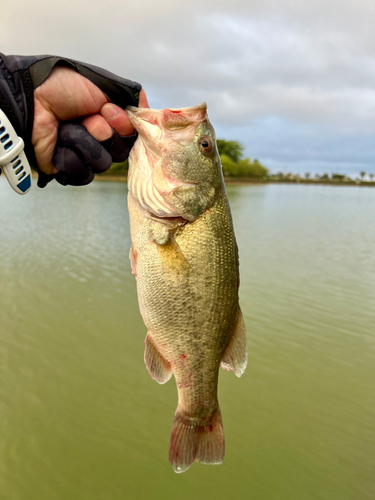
pixel 293 81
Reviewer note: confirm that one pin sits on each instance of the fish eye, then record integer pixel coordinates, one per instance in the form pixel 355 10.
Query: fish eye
pixel 205 145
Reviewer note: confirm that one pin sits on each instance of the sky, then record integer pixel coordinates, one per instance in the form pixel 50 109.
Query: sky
pixel 291 80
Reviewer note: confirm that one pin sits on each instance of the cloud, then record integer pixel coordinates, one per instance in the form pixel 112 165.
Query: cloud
pixel 282 66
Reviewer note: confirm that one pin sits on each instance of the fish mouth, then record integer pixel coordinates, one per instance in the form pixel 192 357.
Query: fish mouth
pixel 193 113
pixel 151 133
pixel 152 124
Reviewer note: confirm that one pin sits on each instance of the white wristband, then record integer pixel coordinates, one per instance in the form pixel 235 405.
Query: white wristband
pixel 13 160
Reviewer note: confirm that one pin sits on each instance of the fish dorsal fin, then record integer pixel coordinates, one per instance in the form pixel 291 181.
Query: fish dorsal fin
pixel 157 366
pixel 234 358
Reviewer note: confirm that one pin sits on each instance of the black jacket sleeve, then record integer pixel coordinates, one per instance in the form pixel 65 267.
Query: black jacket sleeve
pixel 76 149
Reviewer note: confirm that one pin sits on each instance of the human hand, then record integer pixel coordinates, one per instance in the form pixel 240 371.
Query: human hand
pixel 66 95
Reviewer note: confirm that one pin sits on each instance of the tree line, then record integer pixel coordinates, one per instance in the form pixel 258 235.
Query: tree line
pixel 235 165
pixel 232 160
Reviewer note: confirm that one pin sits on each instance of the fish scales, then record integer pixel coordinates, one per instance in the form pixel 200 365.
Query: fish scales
pixel 184 256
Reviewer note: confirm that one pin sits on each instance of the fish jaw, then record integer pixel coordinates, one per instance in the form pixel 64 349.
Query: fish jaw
pixel 168 173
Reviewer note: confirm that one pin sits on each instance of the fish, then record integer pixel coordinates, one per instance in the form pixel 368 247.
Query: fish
pixel 185 259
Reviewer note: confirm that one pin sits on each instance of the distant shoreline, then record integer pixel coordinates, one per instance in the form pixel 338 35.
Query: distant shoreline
pixel 239 181
pixel 242 181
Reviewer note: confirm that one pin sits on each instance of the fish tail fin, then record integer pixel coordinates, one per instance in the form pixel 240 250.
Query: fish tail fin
pixel 196 439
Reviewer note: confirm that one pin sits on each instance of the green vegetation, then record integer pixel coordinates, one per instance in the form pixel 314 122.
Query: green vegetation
pixel 118 169
pixel 339 177
pixel 231 149
pixel 234 165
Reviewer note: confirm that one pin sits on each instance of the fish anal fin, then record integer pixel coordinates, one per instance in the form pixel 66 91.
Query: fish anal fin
pixel 157 366
pixel 234 357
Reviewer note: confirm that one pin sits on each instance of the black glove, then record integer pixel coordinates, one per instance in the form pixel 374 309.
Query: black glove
pixel 78 156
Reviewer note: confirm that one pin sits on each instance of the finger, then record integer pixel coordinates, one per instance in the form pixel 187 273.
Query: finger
pixel 143 103
pixel 98 127
pixel 71 169
pixel 92 155
pixel 117 119
pixel 119 147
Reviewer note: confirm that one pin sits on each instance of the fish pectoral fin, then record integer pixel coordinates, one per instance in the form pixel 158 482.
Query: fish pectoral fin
pixel 172 259
pixel 234 357
pixel 157 366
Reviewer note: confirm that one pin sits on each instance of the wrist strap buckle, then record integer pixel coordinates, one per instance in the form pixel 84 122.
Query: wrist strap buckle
pixel 13 160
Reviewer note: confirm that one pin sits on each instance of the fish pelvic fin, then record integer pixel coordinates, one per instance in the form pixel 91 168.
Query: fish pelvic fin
pixel 234 357
pixel 133 261
pixel 196 439
pixel 157 366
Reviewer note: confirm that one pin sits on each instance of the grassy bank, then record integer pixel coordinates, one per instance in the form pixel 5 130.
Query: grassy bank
pixel 328 182
pixel 249 180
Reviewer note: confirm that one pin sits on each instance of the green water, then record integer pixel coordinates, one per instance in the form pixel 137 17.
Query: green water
pixel 81 419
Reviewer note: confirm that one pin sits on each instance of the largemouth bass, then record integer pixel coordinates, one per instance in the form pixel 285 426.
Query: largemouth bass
pixel 185 259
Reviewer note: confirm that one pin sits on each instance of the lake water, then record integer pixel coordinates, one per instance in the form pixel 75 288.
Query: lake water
pixel 80 417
